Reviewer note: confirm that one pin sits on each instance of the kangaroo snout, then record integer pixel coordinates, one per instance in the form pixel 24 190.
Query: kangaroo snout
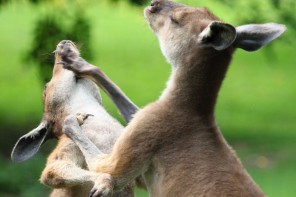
pixel 154 7
pixel 67 49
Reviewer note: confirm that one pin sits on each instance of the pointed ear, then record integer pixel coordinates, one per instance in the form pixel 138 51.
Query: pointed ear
pixel 252 37
pixel 29 144
pixel 217 35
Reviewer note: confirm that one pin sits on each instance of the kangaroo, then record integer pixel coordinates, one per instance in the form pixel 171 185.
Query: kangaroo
pixel 175 142
pixel 66 169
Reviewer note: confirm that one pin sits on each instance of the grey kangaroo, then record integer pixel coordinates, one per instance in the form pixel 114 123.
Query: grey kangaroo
pixel 66 169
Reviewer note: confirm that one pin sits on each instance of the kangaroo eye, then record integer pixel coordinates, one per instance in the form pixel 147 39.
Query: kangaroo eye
pixel 173 19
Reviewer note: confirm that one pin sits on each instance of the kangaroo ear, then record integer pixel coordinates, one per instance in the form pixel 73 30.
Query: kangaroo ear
pixel 252 37
pixel 217 35
pixel 29 144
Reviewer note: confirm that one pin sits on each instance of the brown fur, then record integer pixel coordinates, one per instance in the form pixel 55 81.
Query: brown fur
pixel 66 169
pixel 174 142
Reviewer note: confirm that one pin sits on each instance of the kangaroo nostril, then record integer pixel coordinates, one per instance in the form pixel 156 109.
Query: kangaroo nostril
pixel 155 3
pixel 63 42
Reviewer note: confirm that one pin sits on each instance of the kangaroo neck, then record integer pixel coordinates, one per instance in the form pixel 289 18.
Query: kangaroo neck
pixel 194 84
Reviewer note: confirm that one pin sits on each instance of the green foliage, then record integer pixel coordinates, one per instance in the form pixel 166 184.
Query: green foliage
pixel 46 35
pixel 134 2
pixel 48 32
pixel 35 1
pixel 138 2
pixel 3 1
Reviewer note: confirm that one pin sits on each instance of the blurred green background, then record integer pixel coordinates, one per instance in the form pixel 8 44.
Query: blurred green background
pixel 256 109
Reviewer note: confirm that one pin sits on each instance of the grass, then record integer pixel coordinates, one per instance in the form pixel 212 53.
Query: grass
pixel 255 110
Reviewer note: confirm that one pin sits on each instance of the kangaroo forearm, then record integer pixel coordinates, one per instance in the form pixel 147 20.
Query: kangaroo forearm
pixel 126 107
pixel 72 129
pixel 126 162
pixel 83 69
pixel 63 174
pixel 121 173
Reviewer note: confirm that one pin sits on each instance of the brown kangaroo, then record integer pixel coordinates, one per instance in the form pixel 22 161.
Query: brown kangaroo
pixel 175 142
pixel 66 169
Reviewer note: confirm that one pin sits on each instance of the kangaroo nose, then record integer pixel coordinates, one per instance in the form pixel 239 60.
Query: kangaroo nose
pixel 155 6
pixel 64 43
pixel 65 46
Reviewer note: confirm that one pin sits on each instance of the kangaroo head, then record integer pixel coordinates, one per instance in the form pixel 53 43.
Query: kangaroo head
pixel 55 98
pixel 184 30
